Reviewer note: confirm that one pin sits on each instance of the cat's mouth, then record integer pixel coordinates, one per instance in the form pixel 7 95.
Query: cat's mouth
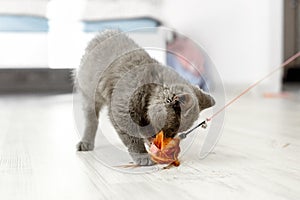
pixel 168 134
pixel 164 150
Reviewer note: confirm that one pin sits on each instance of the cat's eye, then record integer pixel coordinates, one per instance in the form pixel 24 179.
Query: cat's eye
pixel 168 100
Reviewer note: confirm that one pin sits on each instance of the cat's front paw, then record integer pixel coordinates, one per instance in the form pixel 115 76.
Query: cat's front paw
pixel 142 159
pixel 84 146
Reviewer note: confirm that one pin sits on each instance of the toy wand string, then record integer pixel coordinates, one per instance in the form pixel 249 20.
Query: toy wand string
pixel 204 123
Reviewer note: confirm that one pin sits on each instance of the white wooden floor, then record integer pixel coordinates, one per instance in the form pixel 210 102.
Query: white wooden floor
pixel 257 157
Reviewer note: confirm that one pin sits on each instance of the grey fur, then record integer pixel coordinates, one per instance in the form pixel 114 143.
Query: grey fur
pixel 143 97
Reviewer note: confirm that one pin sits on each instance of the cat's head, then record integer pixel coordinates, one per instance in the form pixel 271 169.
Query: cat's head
pixel 175 108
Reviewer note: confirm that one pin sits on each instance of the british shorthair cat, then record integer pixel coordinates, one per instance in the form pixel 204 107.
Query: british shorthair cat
pixel 142 96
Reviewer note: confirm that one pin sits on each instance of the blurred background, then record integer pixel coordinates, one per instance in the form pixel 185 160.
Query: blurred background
pixel 41 41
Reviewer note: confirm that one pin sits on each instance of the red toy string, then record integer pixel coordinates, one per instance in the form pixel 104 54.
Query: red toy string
pixel 288 61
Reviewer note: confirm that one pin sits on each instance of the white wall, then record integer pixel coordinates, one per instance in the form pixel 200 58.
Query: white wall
pixel 243 38
pixel 108 9
pixel 31 7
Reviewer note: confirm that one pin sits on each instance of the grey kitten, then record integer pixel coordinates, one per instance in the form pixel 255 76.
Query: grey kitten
pixel 143 96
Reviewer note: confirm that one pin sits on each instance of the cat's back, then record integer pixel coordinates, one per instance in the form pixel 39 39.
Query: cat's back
pixel 107 46
pixel 101 52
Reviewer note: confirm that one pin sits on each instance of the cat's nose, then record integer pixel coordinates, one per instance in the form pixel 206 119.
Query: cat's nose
pixel 175 98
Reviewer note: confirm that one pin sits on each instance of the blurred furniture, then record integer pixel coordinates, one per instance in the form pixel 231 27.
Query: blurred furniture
pixel 38 55
pixel 67 43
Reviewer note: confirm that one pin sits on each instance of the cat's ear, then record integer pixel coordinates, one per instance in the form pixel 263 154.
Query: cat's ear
pixel 204 99
pixel 185 100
